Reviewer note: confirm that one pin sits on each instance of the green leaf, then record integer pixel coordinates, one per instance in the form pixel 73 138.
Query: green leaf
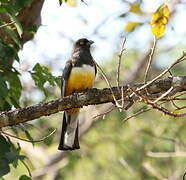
pixel 40 74
pixel 58 81
pixel 16 149
pixel 15 88
pixel 24 177
pixel 4 167
pixel 28 135
pixel 4 148
pixel 13 156
pixel 3 87
pixel 17 24
pixel 22 3
pixel 7 52
pixel 13 35
pixel 3 90
pixel 60 2
pixel 2 10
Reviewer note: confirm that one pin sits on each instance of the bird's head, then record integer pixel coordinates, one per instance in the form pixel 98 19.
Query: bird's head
pixel 83 43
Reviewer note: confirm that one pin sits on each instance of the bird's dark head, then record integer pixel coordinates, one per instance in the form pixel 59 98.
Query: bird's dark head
pixel 83 43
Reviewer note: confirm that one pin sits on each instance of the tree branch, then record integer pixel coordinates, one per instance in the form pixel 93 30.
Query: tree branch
pixel 91 97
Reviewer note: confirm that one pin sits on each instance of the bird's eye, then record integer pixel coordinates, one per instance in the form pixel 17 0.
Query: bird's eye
pixel 81 43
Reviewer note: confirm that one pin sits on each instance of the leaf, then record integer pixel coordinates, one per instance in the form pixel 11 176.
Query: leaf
pixel 40 74
pixel 17 24
pixel 24 177
pixel 7 52
pixel 135 8
pixel 131 26
pixel 158 30
pixel 28 135
pixel 58 81
pixel 3 87
pixel 22 3
pixel 13 156
pixel 159 20
pixel 2 10
pixel 3 90
pixel 13 35
pixel 15 88
pixel 4 148
pixel 60 2
pixel 4 167
pixel 72 3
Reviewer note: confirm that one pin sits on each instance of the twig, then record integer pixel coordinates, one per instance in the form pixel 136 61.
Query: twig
pixel 31 141
pixel 122 99
pixel 156 106
pixel 26 166
pixel 166 154
pixel 108 83
pixel 104 113
pixel 182 58
pixel 84 2
pixel 163 95
pixel 140 112
pixel 119 61
pixel 7 24
pixel 153 171
pixel 174 104
pixel 136 114
pixel 181 94
pixel 150 59
pixel 126 165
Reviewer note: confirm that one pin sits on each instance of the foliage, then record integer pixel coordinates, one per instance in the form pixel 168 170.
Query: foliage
pixel 159 20
pixel 11 88
pixel 41 75
pixel 111 149
pixel 9 154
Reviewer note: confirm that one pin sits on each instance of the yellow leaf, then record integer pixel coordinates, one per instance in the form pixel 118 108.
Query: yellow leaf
pixel 72 3
pixel 131 26
pixel 1 70
pixel 158 30
pixel 159 20
pixel 135 8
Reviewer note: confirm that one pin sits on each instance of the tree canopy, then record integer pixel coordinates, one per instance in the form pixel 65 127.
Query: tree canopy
pixel 136 128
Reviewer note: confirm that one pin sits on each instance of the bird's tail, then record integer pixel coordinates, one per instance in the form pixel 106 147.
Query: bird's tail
pixel 70 133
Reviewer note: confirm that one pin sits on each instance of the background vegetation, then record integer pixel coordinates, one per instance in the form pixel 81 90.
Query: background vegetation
pixel 150 146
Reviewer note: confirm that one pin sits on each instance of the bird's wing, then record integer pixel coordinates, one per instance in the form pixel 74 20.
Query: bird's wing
pixel 65 76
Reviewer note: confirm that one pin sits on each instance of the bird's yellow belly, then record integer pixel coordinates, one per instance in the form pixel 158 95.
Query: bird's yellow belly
pixel 80 79
pixel 79 82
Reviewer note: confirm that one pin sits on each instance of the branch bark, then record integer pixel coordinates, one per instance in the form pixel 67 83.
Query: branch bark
pixel 91 97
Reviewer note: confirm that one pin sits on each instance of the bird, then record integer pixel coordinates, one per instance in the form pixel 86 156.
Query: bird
pixel 78 75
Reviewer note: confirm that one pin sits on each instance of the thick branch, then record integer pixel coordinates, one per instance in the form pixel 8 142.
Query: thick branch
pixel 91 97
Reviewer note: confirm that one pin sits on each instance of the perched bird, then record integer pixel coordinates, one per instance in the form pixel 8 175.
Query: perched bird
pixel 78 75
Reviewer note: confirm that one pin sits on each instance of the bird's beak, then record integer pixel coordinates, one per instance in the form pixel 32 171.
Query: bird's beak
pixel 90 42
